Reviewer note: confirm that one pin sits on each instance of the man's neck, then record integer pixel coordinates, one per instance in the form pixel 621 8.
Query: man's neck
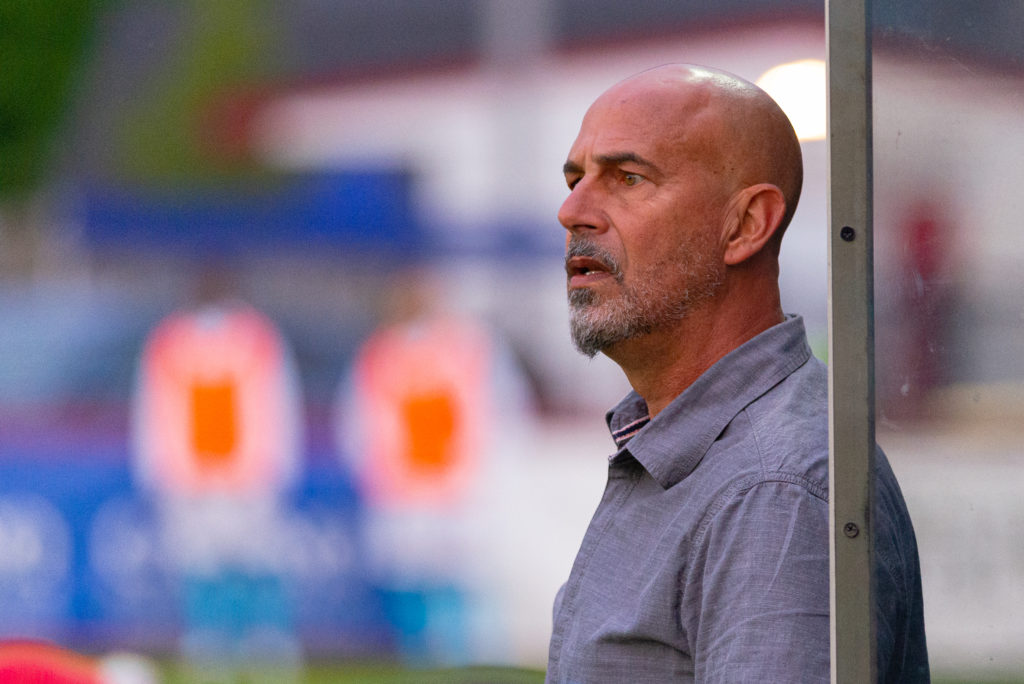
pixel 663 363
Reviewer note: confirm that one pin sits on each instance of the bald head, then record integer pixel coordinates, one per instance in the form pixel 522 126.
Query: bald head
pixel 681 181
pixel 733 127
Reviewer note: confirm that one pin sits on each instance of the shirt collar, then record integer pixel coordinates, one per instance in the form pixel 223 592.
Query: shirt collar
pixel 672 444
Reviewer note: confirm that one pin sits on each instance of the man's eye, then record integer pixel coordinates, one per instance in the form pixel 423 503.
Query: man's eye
pixel 632 179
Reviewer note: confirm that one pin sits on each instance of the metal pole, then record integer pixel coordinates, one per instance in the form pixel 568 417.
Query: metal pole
pixel 851 342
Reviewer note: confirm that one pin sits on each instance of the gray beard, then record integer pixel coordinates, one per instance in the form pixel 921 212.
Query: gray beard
pixel 597 323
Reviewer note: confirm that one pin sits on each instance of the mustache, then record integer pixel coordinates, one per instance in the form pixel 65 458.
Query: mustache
pixel 580 247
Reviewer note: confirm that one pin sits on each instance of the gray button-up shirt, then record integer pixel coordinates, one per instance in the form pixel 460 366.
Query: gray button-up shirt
pixel 707 558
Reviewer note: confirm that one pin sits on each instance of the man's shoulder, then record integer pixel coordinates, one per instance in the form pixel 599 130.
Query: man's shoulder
pixel 789 425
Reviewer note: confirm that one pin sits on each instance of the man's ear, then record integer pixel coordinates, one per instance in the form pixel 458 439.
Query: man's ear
pixel 753 218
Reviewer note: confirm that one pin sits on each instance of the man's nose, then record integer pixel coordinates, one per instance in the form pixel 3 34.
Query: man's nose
pixel 580 212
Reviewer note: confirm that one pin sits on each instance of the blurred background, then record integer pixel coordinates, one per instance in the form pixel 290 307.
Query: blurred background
pixel 285 376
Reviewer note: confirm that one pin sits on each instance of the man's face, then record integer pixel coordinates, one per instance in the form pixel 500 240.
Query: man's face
pixel 643 217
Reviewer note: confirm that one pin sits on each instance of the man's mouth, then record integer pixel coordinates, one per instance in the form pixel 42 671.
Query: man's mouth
pixel 585 270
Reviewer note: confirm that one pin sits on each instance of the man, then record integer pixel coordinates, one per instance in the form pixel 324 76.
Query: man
pixel 707 558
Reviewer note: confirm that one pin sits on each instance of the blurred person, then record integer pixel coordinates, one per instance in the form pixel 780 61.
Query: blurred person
pixel 924 302
pixel 217 434
pixel 418 426
pixel 707 558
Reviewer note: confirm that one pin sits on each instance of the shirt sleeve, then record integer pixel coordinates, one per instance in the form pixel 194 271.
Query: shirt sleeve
pixel 755 599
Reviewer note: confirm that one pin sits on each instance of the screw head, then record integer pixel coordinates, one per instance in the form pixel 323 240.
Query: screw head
pixel 847 233
pixel 851 530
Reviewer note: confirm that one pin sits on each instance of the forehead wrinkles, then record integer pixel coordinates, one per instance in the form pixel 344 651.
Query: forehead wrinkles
pixel 663 122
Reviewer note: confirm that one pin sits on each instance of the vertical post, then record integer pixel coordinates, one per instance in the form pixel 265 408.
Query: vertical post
pixel 851 342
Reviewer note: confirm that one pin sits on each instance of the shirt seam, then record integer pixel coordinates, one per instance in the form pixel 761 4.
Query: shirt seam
pixel 798 361
pixel 744 486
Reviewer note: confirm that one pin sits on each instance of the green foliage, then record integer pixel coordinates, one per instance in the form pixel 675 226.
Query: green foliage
pixel 224 48
pixel 363 673
pixel 394 675
pixel 43 44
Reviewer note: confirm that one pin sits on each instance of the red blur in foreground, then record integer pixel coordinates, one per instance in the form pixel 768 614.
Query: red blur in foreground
pixel 29 662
